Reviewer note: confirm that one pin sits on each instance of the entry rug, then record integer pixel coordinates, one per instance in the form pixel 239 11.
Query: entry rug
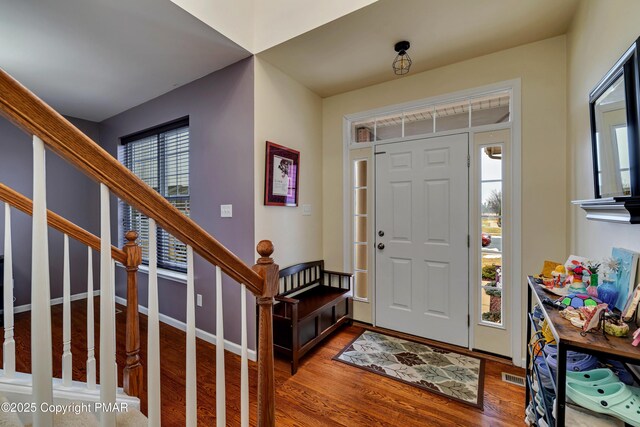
pixel 439 371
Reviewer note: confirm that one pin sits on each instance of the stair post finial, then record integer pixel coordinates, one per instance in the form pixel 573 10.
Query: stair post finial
pixel 265 249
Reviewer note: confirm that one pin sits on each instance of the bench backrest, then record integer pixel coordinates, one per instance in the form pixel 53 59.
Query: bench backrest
pixel 300 276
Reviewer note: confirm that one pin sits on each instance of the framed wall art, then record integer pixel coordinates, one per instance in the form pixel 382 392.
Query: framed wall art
pixel 282 172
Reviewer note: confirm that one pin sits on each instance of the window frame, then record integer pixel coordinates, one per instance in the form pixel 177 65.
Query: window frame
pixel 514 171
pixel 174 268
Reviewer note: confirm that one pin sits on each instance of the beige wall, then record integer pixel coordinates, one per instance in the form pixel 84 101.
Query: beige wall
pixel 541 66
pixel 601 32
pixel 289 114
pixel 257 25
pixel 277 21
pixel 233 20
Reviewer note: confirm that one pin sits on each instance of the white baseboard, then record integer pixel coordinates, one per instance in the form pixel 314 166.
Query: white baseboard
pixel 204 335
pixel 55 301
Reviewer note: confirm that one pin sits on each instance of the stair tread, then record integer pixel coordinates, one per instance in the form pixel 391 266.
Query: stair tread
pixel 132 418
pixel 8 419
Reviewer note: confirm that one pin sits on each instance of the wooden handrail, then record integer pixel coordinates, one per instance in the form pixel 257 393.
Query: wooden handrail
pixel 24 204
pixel 130 257
pixel 35 117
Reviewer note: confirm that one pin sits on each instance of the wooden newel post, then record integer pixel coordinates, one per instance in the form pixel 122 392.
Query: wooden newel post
pixel 268 270
pixel 133 374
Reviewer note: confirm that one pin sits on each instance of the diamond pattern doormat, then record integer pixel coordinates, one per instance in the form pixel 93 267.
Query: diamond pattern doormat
pixel 439 371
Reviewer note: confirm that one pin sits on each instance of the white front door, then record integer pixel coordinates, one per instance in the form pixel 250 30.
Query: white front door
pixel 422 222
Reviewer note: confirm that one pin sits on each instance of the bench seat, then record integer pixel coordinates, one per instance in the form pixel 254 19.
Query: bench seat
pixel 312 303
pixel 313 300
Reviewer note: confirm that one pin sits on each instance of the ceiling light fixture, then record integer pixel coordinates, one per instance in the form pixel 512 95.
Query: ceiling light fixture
pixel 402 63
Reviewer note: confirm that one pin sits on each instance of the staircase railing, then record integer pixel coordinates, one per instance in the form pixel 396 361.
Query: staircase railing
pixel 130 258
pixel 51 130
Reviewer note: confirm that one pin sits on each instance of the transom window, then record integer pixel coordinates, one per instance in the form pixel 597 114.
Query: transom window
pixel 160 157
pixel 487 109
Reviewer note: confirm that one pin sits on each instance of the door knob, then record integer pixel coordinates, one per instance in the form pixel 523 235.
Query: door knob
pixel 380 245
pixel 380 233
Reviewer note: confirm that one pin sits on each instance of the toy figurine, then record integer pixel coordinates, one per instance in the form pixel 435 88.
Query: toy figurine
pixel 575 273
pixel 558 276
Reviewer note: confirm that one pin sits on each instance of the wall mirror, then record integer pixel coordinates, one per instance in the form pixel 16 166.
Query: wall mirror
pixel 614 130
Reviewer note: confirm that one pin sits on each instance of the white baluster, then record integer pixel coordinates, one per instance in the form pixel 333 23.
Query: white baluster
pixel 41 364
pixel 115 346
pixel 244 363
pixel 153 339
pixel 192 393
pixel 221 406
pixel 9 346
pixel 107 332
pixel 67 364
pixel 91 358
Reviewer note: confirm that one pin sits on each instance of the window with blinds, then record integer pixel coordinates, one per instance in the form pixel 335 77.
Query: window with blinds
pixel 160 157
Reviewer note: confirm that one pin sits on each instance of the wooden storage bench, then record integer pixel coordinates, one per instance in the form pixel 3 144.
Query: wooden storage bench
pixel 312 303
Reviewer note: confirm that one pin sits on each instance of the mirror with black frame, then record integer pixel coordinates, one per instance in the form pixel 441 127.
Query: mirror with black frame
pixel 614 130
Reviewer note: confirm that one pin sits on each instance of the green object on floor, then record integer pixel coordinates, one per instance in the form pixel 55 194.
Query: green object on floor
pixel 593 378
pixel 615 399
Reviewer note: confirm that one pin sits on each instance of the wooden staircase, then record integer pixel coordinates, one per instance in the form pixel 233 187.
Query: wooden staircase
pixel 52 132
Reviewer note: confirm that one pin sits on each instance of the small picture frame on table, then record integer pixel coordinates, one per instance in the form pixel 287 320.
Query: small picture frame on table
pixel 282 174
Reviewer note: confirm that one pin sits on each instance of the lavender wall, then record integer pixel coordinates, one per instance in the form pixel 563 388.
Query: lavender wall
pixel 69 193
pixel 220 110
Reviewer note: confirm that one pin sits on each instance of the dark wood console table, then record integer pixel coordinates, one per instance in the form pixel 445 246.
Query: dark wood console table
pixel 568 338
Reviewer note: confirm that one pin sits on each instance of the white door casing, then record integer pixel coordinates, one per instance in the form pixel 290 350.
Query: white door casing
pixel 422 261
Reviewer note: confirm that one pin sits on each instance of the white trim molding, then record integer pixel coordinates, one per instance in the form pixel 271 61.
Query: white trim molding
pixel 56 301
pixel 200 333
pixel 163 273
pixel 515 251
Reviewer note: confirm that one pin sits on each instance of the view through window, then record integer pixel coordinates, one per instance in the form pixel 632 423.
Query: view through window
pixel 160 157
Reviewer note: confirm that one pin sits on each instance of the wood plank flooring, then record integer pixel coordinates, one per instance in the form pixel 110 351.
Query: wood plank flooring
pixel 323 392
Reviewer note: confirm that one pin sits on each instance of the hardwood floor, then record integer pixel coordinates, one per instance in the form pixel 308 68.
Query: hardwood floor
pixel 322 393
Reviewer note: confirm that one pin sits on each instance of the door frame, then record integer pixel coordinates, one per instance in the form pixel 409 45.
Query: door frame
pixel 518 303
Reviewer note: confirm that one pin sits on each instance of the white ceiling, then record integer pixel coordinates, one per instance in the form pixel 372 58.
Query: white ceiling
pixel 95 58
pixel 356 50
pixel 257 25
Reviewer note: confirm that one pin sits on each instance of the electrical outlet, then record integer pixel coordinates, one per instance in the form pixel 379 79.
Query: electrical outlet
pixel 306 210
pixel 226 211
pixel 199 300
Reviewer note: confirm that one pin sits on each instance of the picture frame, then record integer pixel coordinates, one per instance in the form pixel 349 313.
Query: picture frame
pixel 629 311
pixel 282 175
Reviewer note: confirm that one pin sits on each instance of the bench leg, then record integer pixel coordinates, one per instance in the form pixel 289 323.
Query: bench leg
pixel 295 344
pixel 294 363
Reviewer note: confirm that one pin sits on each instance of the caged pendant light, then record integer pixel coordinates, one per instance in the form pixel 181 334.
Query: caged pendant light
pixel 402 63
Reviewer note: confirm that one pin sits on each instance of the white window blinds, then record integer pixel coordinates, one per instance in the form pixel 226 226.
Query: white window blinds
pixel 160 157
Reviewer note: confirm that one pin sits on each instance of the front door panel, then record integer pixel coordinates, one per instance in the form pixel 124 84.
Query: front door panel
pixel 422 256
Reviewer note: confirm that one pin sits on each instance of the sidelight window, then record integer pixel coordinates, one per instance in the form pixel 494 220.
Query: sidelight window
pixel 491 239
pixel 360 219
